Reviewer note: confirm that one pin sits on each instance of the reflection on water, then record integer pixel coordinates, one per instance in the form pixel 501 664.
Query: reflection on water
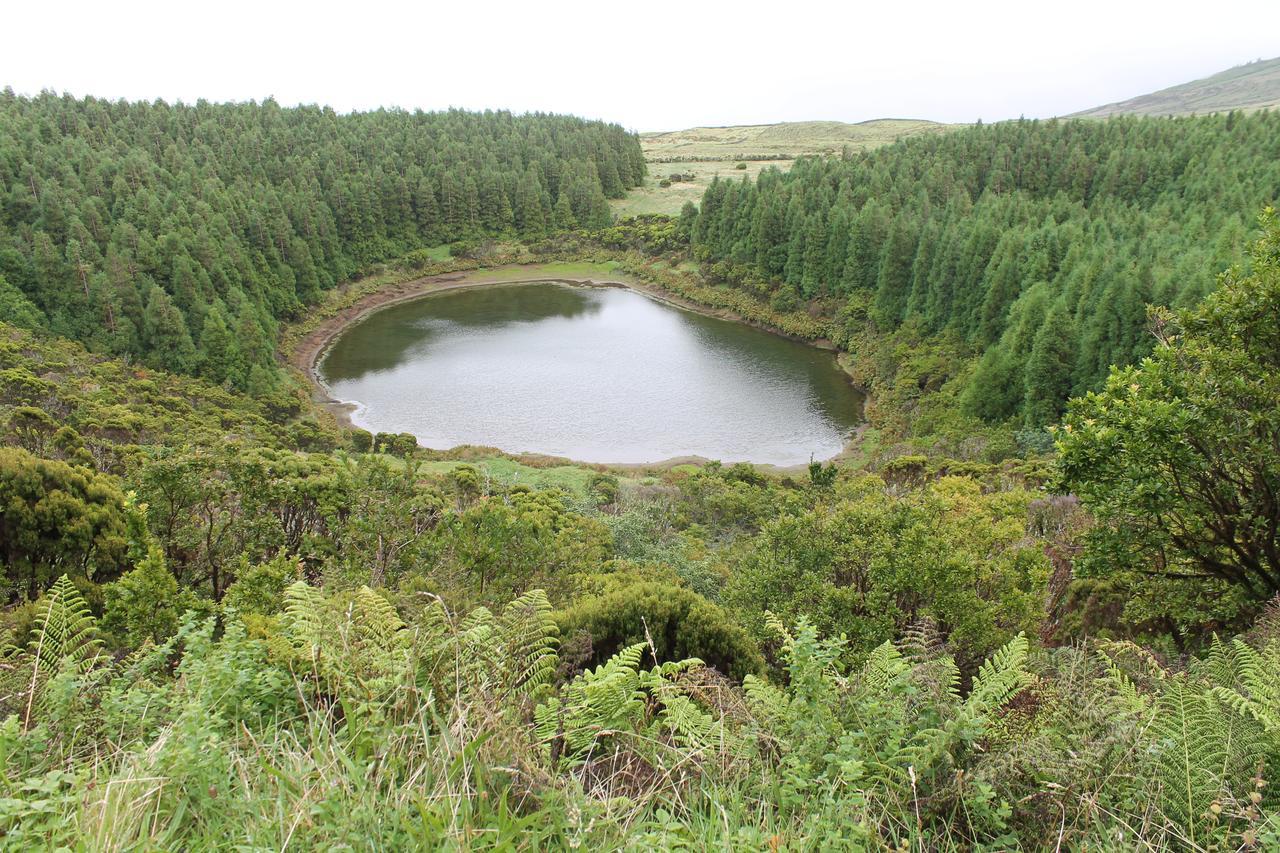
pixel 414 325
pixel 600 374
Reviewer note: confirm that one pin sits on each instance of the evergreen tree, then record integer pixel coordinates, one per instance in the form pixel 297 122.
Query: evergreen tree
pixel 168 342
pixel 220 354
pixel 103 200
pixel 1049 369
pixel 15 308
pixel 949 232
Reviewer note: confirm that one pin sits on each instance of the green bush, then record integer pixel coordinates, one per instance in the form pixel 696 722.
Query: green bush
pixel 680 624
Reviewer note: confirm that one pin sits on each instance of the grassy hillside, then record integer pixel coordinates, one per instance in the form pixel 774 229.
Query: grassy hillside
pixel 700 154
pixel 1253 86
pixel 781 141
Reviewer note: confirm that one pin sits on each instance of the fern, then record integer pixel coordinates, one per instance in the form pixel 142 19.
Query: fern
pixel 884 666
pixel 618 698
pixel 357 649
pixel 529 638
pixel 64 639
pixel 1257 674
pixel 1190 735
pixel 64 632
pixel 999 678
pixel 689 725
pixel 768 703
pixel 1210 729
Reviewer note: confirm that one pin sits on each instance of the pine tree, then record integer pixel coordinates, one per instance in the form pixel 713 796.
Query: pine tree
pixel 563 214
pixel 220 354
pixel 1048 374
pixel 168 342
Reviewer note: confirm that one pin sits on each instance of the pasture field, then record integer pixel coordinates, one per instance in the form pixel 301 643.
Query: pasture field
pixel 704 153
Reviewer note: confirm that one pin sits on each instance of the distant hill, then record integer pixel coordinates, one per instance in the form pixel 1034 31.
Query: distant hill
pixel 682 163
pixel 1254 86
pixel 778 141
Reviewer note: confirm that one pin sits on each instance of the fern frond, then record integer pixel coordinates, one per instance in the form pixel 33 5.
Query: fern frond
pixel 922 641
pixel 999 678
pixel 1257 672
pixel 64 633
pixel 885 666
pixel 529 638
pixel 688 724
pixel 304 614
pixel 376 622
pixel 768 703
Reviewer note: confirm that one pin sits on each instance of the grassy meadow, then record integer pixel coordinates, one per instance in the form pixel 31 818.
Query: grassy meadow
pixel 710 152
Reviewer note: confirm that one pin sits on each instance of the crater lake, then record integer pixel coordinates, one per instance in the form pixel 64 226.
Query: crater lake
pixel 594 374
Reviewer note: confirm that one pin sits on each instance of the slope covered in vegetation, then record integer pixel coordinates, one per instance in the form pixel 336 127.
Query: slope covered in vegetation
pixel 1033 247
pixel 1252 86
pixel 253 639
pixel 180 234
pixel 227 624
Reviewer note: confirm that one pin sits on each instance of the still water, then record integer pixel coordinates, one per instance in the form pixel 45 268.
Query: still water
pixel 595 374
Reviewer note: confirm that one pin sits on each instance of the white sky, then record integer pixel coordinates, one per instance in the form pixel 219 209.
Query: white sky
pixel 653 65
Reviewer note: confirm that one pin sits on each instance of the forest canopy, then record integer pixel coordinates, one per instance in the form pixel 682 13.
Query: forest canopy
pixel 1037 245
pixel 179 234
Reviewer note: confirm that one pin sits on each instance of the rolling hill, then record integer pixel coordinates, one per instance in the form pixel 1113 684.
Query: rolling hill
pixel 778 141
pixel 1253 86
pixel 682 163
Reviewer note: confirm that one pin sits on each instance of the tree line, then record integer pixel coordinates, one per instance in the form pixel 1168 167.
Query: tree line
pixel 1037 244
pixel 179 234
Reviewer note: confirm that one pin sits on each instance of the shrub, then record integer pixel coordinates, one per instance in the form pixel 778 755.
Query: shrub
pixel 679 623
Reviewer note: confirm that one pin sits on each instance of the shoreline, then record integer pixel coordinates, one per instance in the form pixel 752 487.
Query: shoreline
pixel 312 347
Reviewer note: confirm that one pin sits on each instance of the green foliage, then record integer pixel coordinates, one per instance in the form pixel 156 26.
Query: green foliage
pixel 865 743
pixel 621 706
pixel 1179 457
pixel 385 668
pixel 15 308
pixel 866 564
pixel 506 545
pixel 64 643
pixel 1030 247
pixel 180 234
pixel 675 623
pixel 64 632
pixel 113 406
pixel 56 518
pixel 348 720
pixel 259 589
pixel 1213 736
pixel 146 604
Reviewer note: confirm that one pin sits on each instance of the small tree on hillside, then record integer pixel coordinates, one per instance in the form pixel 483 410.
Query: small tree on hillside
pixel 1179 457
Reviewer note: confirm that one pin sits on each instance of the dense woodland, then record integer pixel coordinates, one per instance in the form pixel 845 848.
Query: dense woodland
pixel 1036 245
pixel 179 235
pixel 226 623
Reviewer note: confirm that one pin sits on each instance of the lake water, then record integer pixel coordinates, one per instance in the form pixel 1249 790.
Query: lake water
pixel 595 374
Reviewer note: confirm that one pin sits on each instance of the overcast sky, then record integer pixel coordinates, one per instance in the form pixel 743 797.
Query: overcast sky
pixel 647 65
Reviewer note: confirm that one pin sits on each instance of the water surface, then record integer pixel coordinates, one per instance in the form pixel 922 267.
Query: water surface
pixel 593 374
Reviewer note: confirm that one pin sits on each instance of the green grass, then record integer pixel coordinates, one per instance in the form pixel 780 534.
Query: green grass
pixel 509 472
pixel 653 198
pixel 559 269
pixel 1253 86
pixel 438 253
pixel 708 152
